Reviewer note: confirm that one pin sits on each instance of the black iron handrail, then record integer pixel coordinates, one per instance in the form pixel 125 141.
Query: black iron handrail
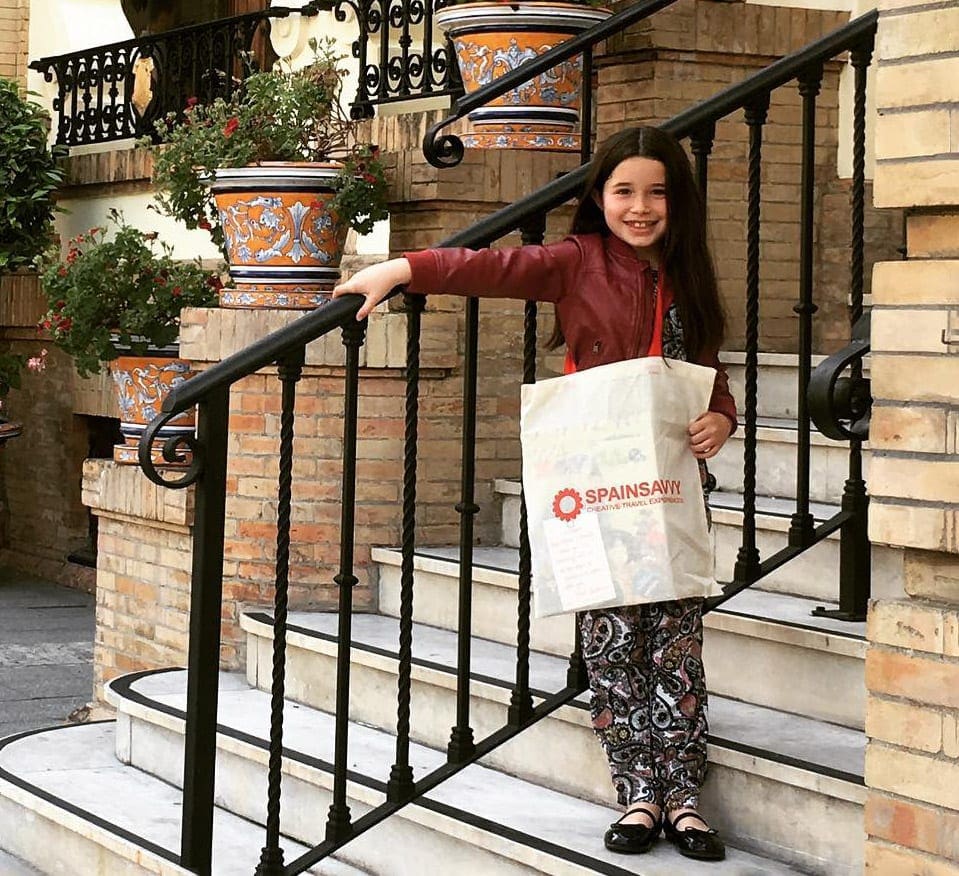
pixel 94 85
pixel 286 347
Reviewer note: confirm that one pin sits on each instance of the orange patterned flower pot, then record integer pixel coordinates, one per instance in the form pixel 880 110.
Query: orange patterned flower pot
pixel 492 39
pixel 141 383
pixel 283 245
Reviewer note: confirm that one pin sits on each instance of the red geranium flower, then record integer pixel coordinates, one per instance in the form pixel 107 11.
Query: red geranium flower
pixel 231 126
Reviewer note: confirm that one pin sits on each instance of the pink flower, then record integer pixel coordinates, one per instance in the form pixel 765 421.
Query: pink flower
pixel 38 364
pixel 192 102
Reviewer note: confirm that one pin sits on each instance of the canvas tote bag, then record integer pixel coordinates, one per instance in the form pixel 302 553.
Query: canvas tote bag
pixel 614 501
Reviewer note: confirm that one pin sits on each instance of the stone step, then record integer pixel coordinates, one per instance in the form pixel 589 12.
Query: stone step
pixel 482 821
pixel 822 658
pixel 814 574
pixel 757 755
pixel 777 441
pixel 68 805
pixel 777 394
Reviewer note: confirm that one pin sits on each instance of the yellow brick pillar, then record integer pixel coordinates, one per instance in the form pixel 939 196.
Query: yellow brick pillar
pixel 912 664
pixel 14 18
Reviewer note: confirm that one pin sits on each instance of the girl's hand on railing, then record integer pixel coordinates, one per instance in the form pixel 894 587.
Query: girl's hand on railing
pixel 708 433
pixel 375 283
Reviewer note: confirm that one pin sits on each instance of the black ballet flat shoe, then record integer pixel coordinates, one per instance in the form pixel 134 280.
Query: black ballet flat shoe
pixel 703 845
pixel 633 839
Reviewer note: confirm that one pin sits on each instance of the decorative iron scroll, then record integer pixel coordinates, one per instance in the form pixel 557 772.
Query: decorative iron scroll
pixel 175 450
pixel 400 57
pixel 841 406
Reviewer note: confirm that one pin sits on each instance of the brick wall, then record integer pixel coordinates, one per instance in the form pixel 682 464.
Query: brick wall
pixel 143 570
pixel 912 664
pixel 14 18
pixel 689 52
pixel 45 519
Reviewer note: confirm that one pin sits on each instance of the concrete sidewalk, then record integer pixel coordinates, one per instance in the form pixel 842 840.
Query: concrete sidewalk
pixel 46 652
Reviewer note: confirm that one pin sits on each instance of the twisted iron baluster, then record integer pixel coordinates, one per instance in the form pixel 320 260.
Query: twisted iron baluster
pixel 586 107
pixel 747 560
pixel 271 855
pixel 521 702
pixel 400 785
pixel 701 143
pixel 855 573
pixel 384 89
pixel 361 108
pixel 206 589
pixel 338 826
pixel 802 525
pixel 461 745
pixel 407 11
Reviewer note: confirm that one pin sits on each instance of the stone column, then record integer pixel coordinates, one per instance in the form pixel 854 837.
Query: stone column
pixel 14 16
pixel 912 665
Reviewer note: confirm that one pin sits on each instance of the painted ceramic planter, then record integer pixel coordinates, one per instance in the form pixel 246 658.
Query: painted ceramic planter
pixel 141 383
pixel 490 40
pixel 8 430
pixel 283 245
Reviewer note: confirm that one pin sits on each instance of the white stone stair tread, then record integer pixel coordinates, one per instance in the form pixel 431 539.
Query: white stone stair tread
pixel 487 798
pixel 76 764
pixel 775 734
pixel 773 506
pixel 777 607
pixel 792 610
pixel 10 866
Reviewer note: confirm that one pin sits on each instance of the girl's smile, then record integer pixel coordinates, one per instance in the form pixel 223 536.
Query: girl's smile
pixel 634 205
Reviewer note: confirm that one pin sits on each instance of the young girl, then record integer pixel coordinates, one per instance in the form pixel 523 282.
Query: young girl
pixel 634 278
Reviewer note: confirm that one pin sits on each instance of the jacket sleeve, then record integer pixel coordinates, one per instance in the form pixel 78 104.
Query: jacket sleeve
pixel 721 401
pixel 538 273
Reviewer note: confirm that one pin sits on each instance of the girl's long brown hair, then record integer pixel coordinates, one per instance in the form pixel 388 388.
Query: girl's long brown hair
pixel 685 257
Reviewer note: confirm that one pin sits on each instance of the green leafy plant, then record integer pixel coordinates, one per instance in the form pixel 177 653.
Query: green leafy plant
pixel 11 364
pixel 29 177
pixel 117 294
pixel 278 115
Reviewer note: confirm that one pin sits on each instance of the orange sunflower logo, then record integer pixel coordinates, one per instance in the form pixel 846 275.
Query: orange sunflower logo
pixel 567 504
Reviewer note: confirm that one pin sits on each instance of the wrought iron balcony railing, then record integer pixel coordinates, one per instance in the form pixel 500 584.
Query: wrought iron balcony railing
pixel 117 91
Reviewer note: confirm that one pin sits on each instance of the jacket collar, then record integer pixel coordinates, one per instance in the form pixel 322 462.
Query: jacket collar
pixel 622 251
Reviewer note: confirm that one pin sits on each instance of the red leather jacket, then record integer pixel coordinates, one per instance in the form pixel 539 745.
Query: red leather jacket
pixel 602 290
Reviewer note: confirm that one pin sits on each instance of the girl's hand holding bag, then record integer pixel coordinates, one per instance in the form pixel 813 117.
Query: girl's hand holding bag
pixel 613 496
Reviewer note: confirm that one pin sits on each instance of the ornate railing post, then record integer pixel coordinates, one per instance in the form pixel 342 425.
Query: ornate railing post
pixel 747 560
pixel 338 825
pixel 271 856
pixel 400 785
pixel 199 756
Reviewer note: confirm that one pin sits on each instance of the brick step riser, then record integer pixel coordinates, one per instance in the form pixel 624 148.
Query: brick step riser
pixel 756 811
pixel 823 684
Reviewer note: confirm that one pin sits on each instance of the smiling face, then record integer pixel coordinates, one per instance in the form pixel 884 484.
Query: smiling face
pixel 634 205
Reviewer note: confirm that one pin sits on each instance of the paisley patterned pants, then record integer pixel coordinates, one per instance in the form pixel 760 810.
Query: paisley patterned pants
pixel 648 706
